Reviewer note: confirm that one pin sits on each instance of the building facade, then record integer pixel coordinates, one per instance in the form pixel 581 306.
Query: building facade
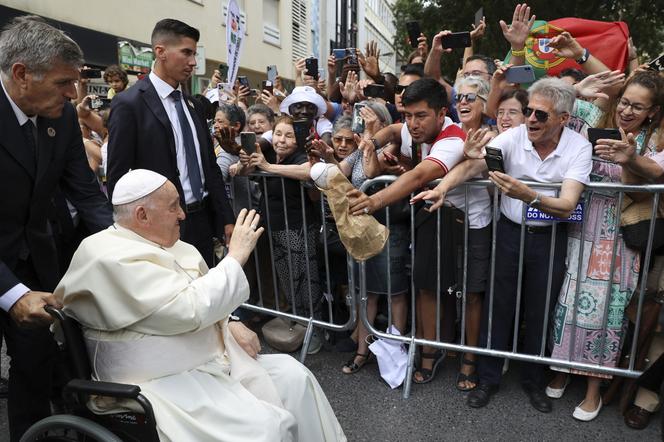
pixel 277 31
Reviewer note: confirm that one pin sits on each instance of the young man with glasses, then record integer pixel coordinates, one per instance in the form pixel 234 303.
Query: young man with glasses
pixel 541 150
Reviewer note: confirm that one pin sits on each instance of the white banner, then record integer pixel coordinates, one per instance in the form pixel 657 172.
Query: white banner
pixel 235 32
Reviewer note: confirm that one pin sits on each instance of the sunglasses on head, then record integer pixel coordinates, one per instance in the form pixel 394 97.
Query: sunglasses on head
pixel 470 98
pixel 540 115
pixel 399 88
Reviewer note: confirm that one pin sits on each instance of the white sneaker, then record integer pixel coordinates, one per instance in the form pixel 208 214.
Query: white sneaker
pixel 557 393
pixel 315 344
pixel 586 416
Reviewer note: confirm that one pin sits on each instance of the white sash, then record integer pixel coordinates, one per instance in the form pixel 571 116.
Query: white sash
pixel 151 357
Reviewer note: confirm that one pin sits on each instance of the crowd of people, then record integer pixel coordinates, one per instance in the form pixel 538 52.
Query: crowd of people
pixel 567 290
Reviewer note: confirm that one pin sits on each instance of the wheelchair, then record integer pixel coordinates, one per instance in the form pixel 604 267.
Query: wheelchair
pixel 78 423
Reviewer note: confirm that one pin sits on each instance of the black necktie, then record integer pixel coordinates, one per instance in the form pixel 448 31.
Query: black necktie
pixel 189 147
pixel 29 130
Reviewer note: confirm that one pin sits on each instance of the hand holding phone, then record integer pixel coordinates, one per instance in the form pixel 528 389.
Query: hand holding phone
pixel 358 122
pixel 595 134
pixel 311 67
pixel 456 40
pixel 272 73
pixel 413 29
pixel 248 142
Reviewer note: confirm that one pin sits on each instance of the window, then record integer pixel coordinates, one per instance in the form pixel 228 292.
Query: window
pixel 271 33
pixel 300 29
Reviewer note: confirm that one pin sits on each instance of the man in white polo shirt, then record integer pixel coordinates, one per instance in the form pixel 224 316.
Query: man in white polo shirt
pixel 541 150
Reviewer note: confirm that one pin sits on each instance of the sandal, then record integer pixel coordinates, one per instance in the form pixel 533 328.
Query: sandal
pixel 462 377
pixel 428 374
pixel 351 366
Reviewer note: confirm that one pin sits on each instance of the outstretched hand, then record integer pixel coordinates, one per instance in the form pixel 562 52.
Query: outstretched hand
pixel 473 147
pixel 517 32
pixel 437 195
pixel 618 151
pixel 595 85
pixel 245 235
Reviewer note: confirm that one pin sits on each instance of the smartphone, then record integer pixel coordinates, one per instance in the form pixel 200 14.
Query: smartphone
pixel 657 64
pixel 351 56
pixel 358 123
pixel 374 91
pixel 248 142
pixel 272 73
pixel 223 89
pixel 223 71
pixel 520 74
pixel 302 130
pixel 311 65
pixel 244 81
pixel 479 15
pixel 267 86
pixel 494 159
pixel 339 55
pixel 456 40
pixel 595 134
pixel 100 103
pixel 90 73
pixel 413 29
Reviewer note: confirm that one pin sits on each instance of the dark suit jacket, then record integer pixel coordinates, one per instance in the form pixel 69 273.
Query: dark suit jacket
pixel 141 137
pixel 27 211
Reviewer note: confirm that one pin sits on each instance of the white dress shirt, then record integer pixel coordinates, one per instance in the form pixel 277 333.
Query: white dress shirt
pixel 571 160
pixel 164 91
pixel 9 298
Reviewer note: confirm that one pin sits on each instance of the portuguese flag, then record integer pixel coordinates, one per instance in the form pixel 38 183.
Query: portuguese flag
pixel 606 41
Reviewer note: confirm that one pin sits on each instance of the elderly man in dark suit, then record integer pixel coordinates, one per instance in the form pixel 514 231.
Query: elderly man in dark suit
pixel 154 126
pixel 41 150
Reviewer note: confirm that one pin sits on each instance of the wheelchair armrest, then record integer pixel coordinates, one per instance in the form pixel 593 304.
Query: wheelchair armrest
pixel 111 389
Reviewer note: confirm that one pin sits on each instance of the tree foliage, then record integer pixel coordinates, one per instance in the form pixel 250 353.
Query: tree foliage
pixel 644 18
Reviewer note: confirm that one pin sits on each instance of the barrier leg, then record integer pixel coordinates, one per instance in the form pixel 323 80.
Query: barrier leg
pixel 307 340
pixel 408 382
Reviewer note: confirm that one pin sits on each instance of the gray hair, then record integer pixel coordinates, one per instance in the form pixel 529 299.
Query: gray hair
pixel 36 44
pixel 380 110
pixel 560 93
pixel 479 84
pixel 123 213
pixel 234 114
pixel 345 122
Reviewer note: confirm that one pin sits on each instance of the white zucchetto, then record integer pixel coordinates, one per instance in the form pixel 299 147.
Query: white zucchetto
pixel 136 184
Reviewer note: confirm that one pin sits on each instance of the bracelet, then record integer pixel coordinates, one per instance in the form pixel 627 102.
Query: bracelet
pixel 375 143
pixel 519 53
pixel 536 202
pixel 584 57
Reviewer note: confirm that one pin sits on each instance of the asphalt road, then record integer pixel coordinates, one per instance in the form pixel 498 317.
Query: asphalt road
pixel 369 411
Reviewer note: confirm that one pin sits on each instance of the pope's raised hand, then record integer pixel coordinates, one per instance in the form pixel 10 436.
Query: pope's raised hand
pixel 245 235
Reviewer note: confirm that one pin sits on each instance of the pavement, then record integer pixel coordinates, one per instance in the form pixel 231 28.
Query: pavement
pixel 368 410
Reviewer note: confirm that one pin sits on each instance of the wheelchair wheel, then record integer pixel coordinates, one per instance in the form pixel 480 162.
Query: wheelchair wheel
pixel 68 428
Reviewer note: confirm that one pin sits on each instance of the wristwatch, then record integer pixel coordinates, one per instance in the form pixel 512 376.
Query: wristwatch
pixel 536 202
pixel 584 57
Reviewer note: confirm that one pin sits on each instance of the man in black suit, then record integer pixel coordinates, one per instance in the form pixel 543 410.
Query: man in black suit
pixel 154 126
pixel 41 150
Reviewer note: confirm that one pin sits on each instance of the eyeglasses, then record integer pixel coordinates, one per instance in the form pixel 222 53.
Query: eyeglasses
pixel 623 104
pixel 540 115
pixel 470 98
pixel 399 88
pixel 474 74
pixel 348 140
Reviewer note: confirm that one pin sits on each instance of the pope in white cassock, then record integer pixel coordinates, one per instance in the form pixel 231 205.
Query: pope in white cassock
pixel 154 315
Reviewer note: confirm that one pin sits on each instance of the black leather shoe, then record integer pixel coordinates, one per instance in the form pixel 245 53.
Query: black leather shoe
pixel 538 399
pixel 4 388
pixel 481 395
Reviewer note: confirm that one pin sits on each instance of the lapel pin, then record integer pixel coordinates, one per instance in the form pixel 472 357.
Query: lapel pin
pixel 190 103
pixel 51 132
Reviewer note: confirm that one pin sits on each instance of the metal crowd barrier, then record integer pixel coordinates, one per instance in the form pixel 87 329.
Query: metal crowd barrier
pixel 412 341
pixel 305 318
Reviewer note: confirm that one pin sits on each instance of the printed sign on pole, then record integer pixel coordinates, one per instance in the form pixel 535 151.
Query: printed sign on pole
pixel 235 31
